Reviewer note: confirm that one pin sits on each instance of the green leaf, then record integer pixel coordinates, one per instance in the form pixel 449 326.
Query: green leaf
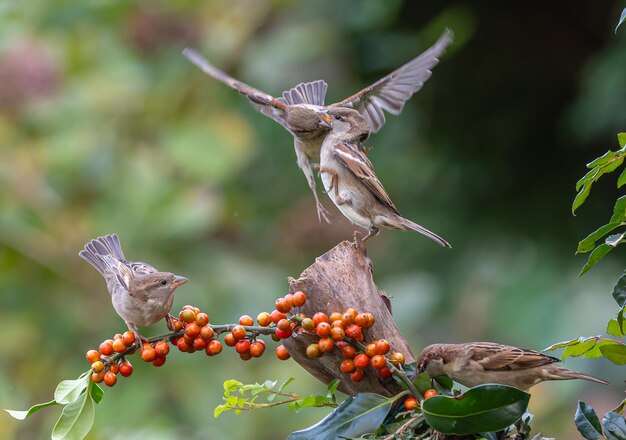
pixel 589 242
pixel 614 426
pixel 597 254
pixel 596 352
pixel 614 329
pixel 96 392
pixel 587 422
pixel 69 390
pixel 219 410
pixel 580 198
pixel 622 179
pixel 605 159
pixel 621 137
pixel 422 382
pixel 284 384
pixel 619 210
pixel 562 344
pixel 576 350
pixel 357 415
pixel 619 291
pixel 616 353
pixel 484 408
pixel 619 23
pixel 332 386
pixel 21 415
pixel 445 382
pixel 76 420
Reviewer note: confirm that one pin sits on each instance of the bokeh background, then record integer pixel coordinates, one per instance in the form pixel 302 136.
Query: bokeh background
pixel 105 127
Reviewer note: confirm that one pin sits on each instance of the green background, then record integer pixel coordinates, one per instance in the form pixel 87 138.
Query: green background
pixel 105 127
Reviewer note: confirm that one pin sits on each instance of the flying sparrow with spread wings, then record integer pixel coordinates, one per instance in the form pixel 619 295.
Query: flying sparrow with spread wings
pixel 298 109
pixel 350 180
pixel 140 294
pixel 477 363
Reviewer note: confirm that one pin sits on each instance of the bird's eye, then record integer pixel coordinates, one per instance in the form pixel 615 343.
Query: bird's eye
pixel 338 117
pixel 163 282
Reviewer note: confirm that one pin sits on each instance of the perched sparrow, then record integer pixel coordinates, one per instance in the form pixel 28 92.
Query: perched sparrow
pixel 477 363
pixel 141 295
pixel 351 182
pixel 296 109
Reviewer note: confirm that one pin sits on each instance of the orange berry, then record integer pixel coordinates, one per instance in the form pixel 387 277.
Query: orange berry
pixel 289 300
pixel 385 372
pixel 282 305
pixel 257 348
pixel 326 345
pixel 361 360
pixel 126 369
pixel 322 329
pixel 347 366
pixel 114 368
pixel 177 324
pixel 160 360
pixel 110 379
pixel 337 334
pixel 128 338
pixel 379 362
pixel 245 356
pixel 187 315
pixel 214 347
pixel 348 351
pixel 119 346
pixel 299 298
pixel 229 340
pixel 370 320
pixel 192 329
pixel 313 351
pixel 283 324
pixel 360 319
pixel 117 336
pixel 238 332
pixel 183 345
pixel 92 356
pixel 396 358
pixel 410 403
pixel 308 324
pixel 106 348
pixel 338 323
pixel 246 320
pixel 187 307
pixel 370 349
pixel 199 343
pixel 382 346
pixel 354 331
pixel 319 317
pixel 162 348
pixel 242 346
pixel 283 334
pixel 357 375
pixel 207 332
pixel 277 316
pixel 335 316
pixel 264 319
pixel 148 354
pixel 188 339
pixel 97 366
pixel 349 314
pixel 282 353
pixel 202 319
pixel 430 393
pixel 97 377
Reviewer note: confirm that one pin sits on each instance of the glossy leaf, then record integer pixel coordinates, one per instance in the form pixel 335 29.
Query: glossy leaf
pixel 596 352
pixel 619 291
pixel 21 415
pixel 358 415
pixel 76 420
pixel 579 349
pixel 607 163
pixel 615 353
pixel 621 137
pixel 622 18
pixel 614 426
pixel 619 210
pixel 96 392
pixel 422 382
pixel 68 390
pixel 597 254
pixel 587 421
pixel 488 407
pixel 445 382
pixel 588 243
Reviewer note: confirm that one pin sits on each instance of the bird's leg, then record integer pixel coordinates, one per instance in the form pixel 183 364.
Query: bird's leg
pixel 305 166
pixel 373 232
pixel 334 184
pixel 139 339
pixel 168 321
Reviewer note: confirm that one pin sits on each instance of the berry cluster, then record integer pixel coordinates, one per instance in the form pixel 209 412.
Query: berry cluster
pixel 108 360
pixel 197 333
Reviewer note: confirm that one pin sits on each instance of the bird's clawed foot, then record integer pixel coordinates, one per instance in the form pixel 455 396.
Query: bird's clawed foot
pixel 322 213
pixel 359 242
pixel 373 232
pixel 169 322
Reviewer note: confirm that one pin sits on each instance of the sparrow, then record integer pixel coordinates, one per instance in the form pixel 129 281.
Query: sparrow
pixel 140 294
pixel 350 180
pixel 296 109
pixel 477 363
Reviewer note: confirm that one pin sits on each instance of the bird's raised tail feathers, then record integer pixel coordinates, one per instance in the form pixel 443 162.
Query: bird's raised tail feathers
pixel 106 245
pixel 408 225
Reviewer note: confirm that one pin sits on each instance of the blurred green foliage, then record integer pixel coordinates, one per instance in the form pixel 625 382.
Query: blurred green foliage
pixel 105 127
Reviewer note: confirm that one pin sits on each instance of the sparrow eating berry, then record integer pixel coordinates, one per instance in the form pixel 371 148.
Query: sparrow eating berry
pixel 477 363
pixel 298 109
pixel 350 180
pixel 140 294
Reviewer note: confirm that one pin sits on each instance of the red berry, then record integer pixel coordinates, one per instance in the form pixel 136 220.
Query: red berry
pixel 114 368
pixel 92 356
pixel 161 348
pixel 283 334
pixel 207 332
pixel 382 346
pixel 326 345
pixel 229 340
pixel 430 393
pixel 106 348
pixel 264 319
pixel 148 354
pixel 348 351
pixel 354 331
pixel 282 305
pixel 337 334
pixel 192 330
pixel 361 360
pixel 338 323
pixel 177 324
pixel 214 347
pixel 246 320
pixel 183 345
pixel 97 377
pixel 283 324
pixel 257 348
pixel 357 375
pixel 370 349
pixel 299 298
pixel 277 316
pixel 110 379
pixel 282 353
pixel 238 332
pixel 379 362
pixel 349 314
pixel 347 366
pixel 319 317
pixel 322 329
pixel 160 360
pixel 202 319
pixel 385 372
pixel 245 356
pixel 128 338
pixel 119 346
pixel 126 369
pixel 410 403
pixel 199 343
pixel 242 346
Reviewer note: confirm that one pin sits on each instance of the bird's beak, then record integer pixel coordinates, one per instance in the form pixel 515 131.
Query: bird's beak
pixel 325 121
pixel 179 281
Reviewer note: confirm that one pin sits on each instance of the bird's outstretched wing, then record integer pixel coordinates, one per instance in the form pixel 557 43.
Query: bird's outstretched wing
pixel 355 160
pixel 267 104
pixel 391 92
pixel 493 356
